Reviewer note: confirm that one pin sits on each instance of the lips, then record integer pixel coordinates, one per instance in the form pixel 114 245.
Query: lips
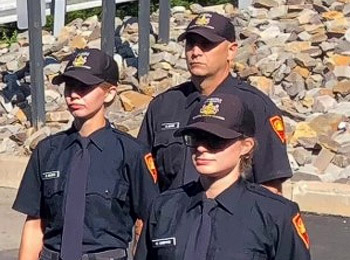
pixel 75 106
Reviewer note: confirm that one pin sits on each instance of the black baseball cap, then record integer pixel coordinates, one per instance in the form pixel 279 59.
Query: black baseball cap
pixel 212 26
pixel 91 67
pixel 222 115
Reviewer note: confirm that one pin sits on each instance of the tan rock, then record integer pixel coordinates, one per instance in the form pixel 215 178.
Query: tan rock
pixel 304 135
pixel 19 114
pixel 78 42
pixel 332 15
pixel 304 72
pixel 323 159
pixel 340 60
pixel 262 83
pixel 133 100
pixel 58 116
pixel 308 101
pixel 297 47
pixel 342 88
pixel 326 124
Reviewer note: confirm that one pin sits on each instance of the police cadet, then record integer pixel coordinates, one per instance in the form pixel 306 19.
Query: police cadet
pixel 83 188
pixel 210 48
pixel 221 216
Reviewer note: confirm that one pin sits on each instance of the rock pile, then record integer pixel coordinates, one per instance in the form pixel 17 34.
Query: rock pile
pixel 295 51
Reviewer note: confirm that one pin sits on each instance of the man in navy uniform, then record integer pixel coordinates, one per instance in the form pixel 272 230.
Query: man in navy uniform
pixel 210 48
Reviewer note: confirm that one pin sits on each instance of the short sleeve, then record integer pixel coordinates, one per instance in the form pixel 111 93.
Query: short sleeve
pixel 293 242
pixel 143 178
pixel 270 161
pixel 146 133
pixel 28 199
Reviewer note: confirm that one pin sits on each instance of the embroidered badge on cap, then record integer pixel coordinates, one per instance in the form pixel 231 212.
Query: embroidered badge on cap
pixel 80 60
pixel 278 126
pixel 203 19
pixel 50 175
pixel 210 108
pixel 163 242
pixel 301 230
pixel 151 167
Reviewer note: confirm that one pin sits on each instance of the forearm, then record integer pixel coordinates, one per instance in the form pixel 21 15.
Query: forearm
pixel 32 239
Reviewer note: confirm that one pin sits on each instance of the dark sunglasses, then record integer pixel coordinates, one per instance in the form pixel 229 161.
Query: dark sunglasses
pixel 209 141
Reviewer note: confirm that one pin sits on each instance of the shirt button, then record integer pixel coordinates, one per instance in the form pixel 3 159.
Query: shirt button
pixel 107 192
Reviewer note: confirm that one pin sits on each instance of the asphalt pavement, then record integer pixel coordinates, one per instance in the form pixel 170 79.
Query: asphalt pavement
pixel 329 235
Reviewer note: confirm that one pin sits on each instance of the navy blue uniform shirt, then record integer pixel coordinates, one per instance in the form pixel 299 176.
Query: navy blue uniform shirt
pixel 171 110
pixel 120 188
pixel 249 223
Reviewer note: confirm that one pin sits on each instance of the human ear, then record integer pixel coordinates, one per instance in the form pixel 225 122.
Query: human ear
pixel 232 50
pixel 110 94
pixel 247 146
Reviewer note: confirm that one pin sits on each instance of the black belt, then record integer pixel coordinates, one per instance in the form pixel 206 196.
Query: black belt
pixel 115 254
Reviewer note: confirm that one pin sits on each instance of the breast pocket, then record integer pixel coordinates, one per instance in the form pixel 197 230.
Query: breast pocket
pixel 53 190
pixel 170 153
pixel 240 256
pixel 164 249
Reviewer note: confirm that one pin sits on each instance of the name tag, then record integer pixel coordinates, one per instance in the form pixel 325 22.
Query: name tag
pixel 170 126
pixel 164 242
pixel 51 175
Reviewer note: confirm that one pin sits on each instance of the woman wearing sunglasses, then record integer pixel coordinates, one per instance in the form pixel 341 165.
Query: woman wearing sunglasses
pixel 221 216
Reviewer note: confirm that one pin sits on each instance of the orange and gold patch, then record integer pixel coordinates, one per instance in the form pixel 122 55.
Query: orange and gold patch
pixel 301 230
pixel 278 126
pixel 151 167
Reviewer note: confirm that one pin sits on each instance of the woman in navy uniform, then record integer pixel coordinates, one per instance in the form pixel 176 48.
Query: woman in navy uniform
pixel 84 188
pixel 221 216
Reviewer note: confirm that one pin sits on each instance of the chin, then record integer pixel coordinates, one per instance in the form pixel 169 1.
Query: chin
pixel 196 72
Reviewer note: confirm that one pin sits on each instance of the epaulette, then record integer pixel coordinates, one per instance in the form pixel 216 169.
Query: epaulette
pixel 258 189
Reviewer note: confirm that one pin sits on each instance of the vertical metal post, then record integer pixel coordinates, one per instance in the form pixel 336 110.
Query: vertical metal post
pixel 164 21
pixel 36 63
pixel 58 9
pixel 144 37
pixel 108 24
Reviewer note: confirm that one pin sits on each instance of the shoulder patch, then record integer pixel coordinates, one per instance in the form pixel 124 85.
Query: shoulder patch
pixel 301 230
pixel 151 167
pixel 278 126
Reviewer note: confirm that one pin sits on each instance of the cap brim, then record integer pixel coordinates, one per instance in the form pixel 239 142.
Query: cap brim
pixel 213 129
pixel 81 75
pixel 204 32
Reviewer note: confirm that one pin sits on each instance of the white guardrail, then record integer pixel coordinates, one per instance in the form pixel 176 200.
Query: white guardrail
pixel 8 7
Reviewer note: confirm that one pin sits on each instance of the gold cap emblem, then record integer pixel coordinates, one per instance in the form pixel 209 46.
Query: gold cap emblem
pixel 209 109
pixel 203 20
pixel 80 60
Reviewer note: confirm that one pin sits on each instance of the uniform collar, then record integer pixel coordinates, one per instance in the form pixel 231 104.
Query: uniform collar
pixel 228 199
pixel 98 138
pixel 227 84
pixel 192 95
pixel 197 194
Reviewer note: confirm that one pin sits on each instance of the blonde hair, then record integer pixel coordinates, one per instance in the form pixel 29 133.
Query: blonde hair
pixel 106 86
pixel 246 162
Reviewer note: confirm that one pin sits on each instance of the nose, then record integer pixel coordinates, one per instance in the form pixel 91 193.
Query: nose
pixel 72 93
pixel 201 149
pixel 196 50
